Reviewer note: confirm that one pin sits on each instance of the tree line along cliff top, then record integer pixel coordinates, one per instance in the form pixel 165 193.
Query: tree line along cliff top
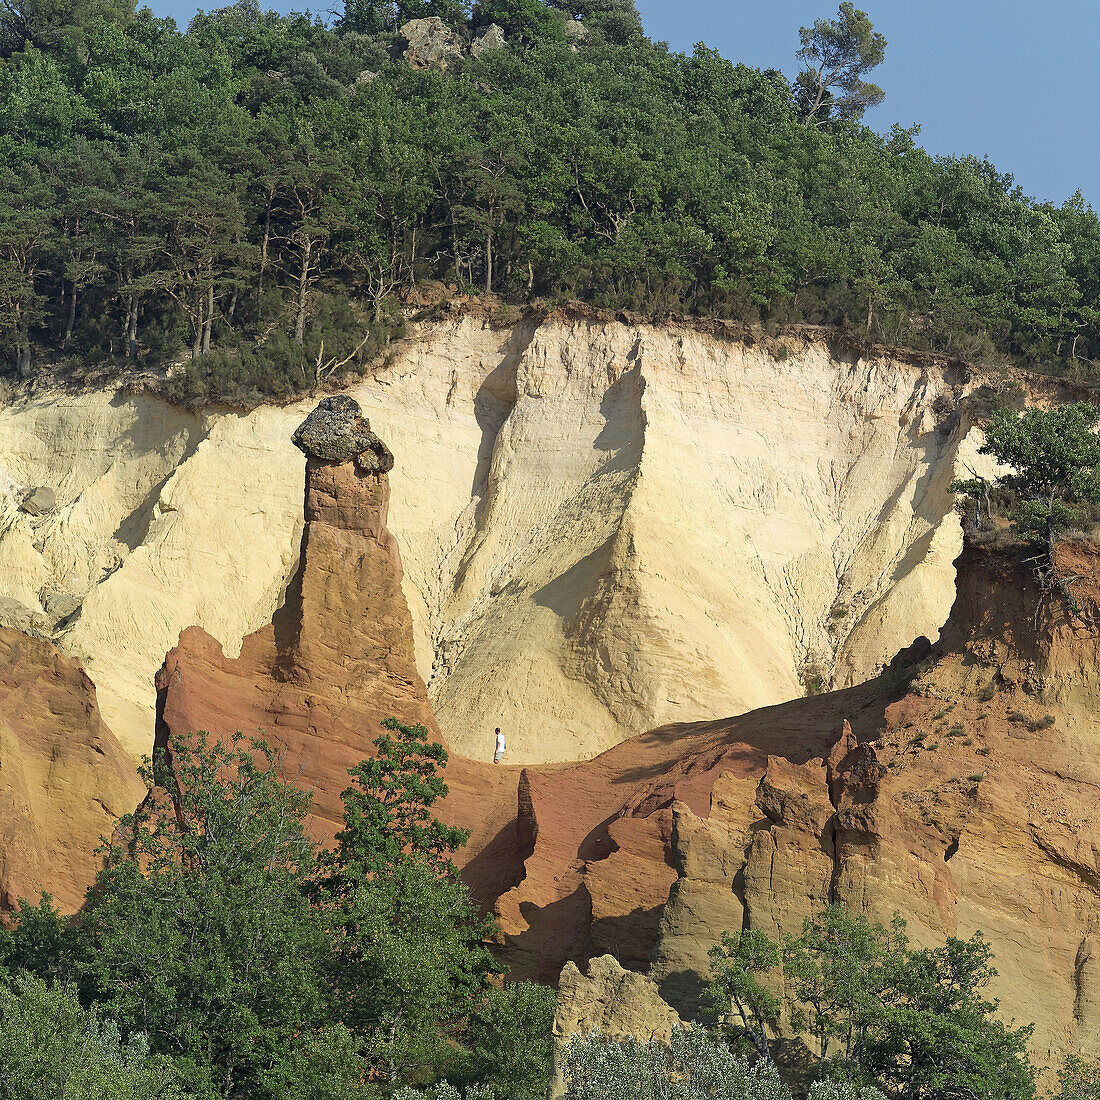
pixel 256 199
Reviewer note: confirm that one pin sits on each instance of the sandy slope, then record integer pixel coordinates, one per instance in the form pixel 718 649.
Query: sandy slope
pixel 605 527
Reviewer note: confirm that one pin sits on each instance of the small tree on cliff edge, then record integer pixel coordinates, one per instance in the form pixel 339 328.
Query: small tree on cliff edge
pixel 836 53
pixel 916 1023
pixel 1055 459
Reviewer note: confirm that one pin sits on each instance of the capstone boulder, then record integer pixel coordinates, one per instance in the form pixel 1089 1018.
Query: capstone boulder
pixel 337 431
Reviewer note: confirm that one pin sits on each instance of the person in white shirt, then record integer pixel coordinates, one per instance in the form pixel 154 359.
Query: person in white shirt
pixel 498 756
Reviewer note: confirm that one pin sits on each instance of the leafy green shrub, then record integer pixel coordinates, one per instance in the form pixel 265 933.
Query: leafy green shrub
pixel 839 1089
pixel 813 675
pixel 444 1090
pixel 693 1066
pixel 51 1047
pixel 1078 1079
pixel 278 368
pixel 913 1022
pixel 1055 459
pixel 509 1039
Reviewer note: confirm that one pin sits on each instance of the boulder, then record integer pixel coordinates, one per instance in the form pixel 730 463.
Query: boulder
pixel 431 44
pixel 16 615
pixel 488 38
pixel 60 604
pixel 337 431
pixel 39 501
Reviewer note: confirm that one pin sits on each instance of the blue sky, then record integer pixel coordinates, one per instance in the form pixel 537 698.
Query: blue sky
pixel 1012 79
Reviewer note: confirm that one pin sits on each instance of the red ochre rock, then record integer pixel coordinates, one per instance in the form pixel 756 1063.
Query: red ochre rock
pixel 64 778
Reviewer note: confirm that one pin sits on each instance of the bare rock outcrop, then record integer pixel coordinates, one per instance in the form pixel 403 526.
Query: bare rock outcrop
pixel 39 501
pixel 549 482
pixel 488 38
pixel 940 789
pixel 338 432
pixel 64 778
pixel 546 498
pixel 431 44
pixel 965 807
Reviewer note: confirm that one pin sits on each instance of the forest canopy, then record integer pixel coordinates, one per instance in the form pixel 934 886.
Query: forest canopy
pixel 252 198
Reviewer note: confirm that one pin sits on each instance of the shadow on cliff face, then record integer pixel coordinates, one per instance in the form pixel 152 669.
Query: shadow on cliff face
pixel 798 730
pixel 495 400
pixel 554 934
pixel 496 868
pixel 628 936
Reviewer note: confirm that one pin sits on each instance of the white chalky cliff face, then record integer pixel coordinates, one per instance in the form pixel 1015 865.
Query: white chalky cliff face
pixel 604 527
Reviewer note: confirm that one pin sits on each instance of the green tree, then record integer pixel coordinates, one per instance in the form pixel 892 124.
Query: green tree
pixel 374 16
pixel 409 940
pixel 51 1047
pixel 509 1036
pixel 836 972
pixel 747 1009
pixel 1055 459
pixel 615 21
pixel 937 1036
pixel 46 24
pixel 199 931
pixel 388 820
pixel 1078 1079
pixel 836 54
pixel 525 22
pixel 916 1024
pixel 834 1088
pixel 26 233
pixel 40 942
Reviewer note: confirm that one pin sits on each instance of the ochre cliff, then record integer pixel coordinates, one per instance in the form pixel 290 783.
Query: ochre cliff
pixel 968 807
pixel 606 526
pixel 940 788
pixel 64 779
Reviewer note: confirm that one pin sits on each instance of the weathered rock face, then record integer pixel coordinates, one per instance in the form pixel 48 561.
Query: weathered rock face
pixel 955 801
pixel 549 482
pixel 594 847
pixel 64 779
pixel 39 501
pixel 575 861
pixel 431 44
pixel 968 809
pixel 488 38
